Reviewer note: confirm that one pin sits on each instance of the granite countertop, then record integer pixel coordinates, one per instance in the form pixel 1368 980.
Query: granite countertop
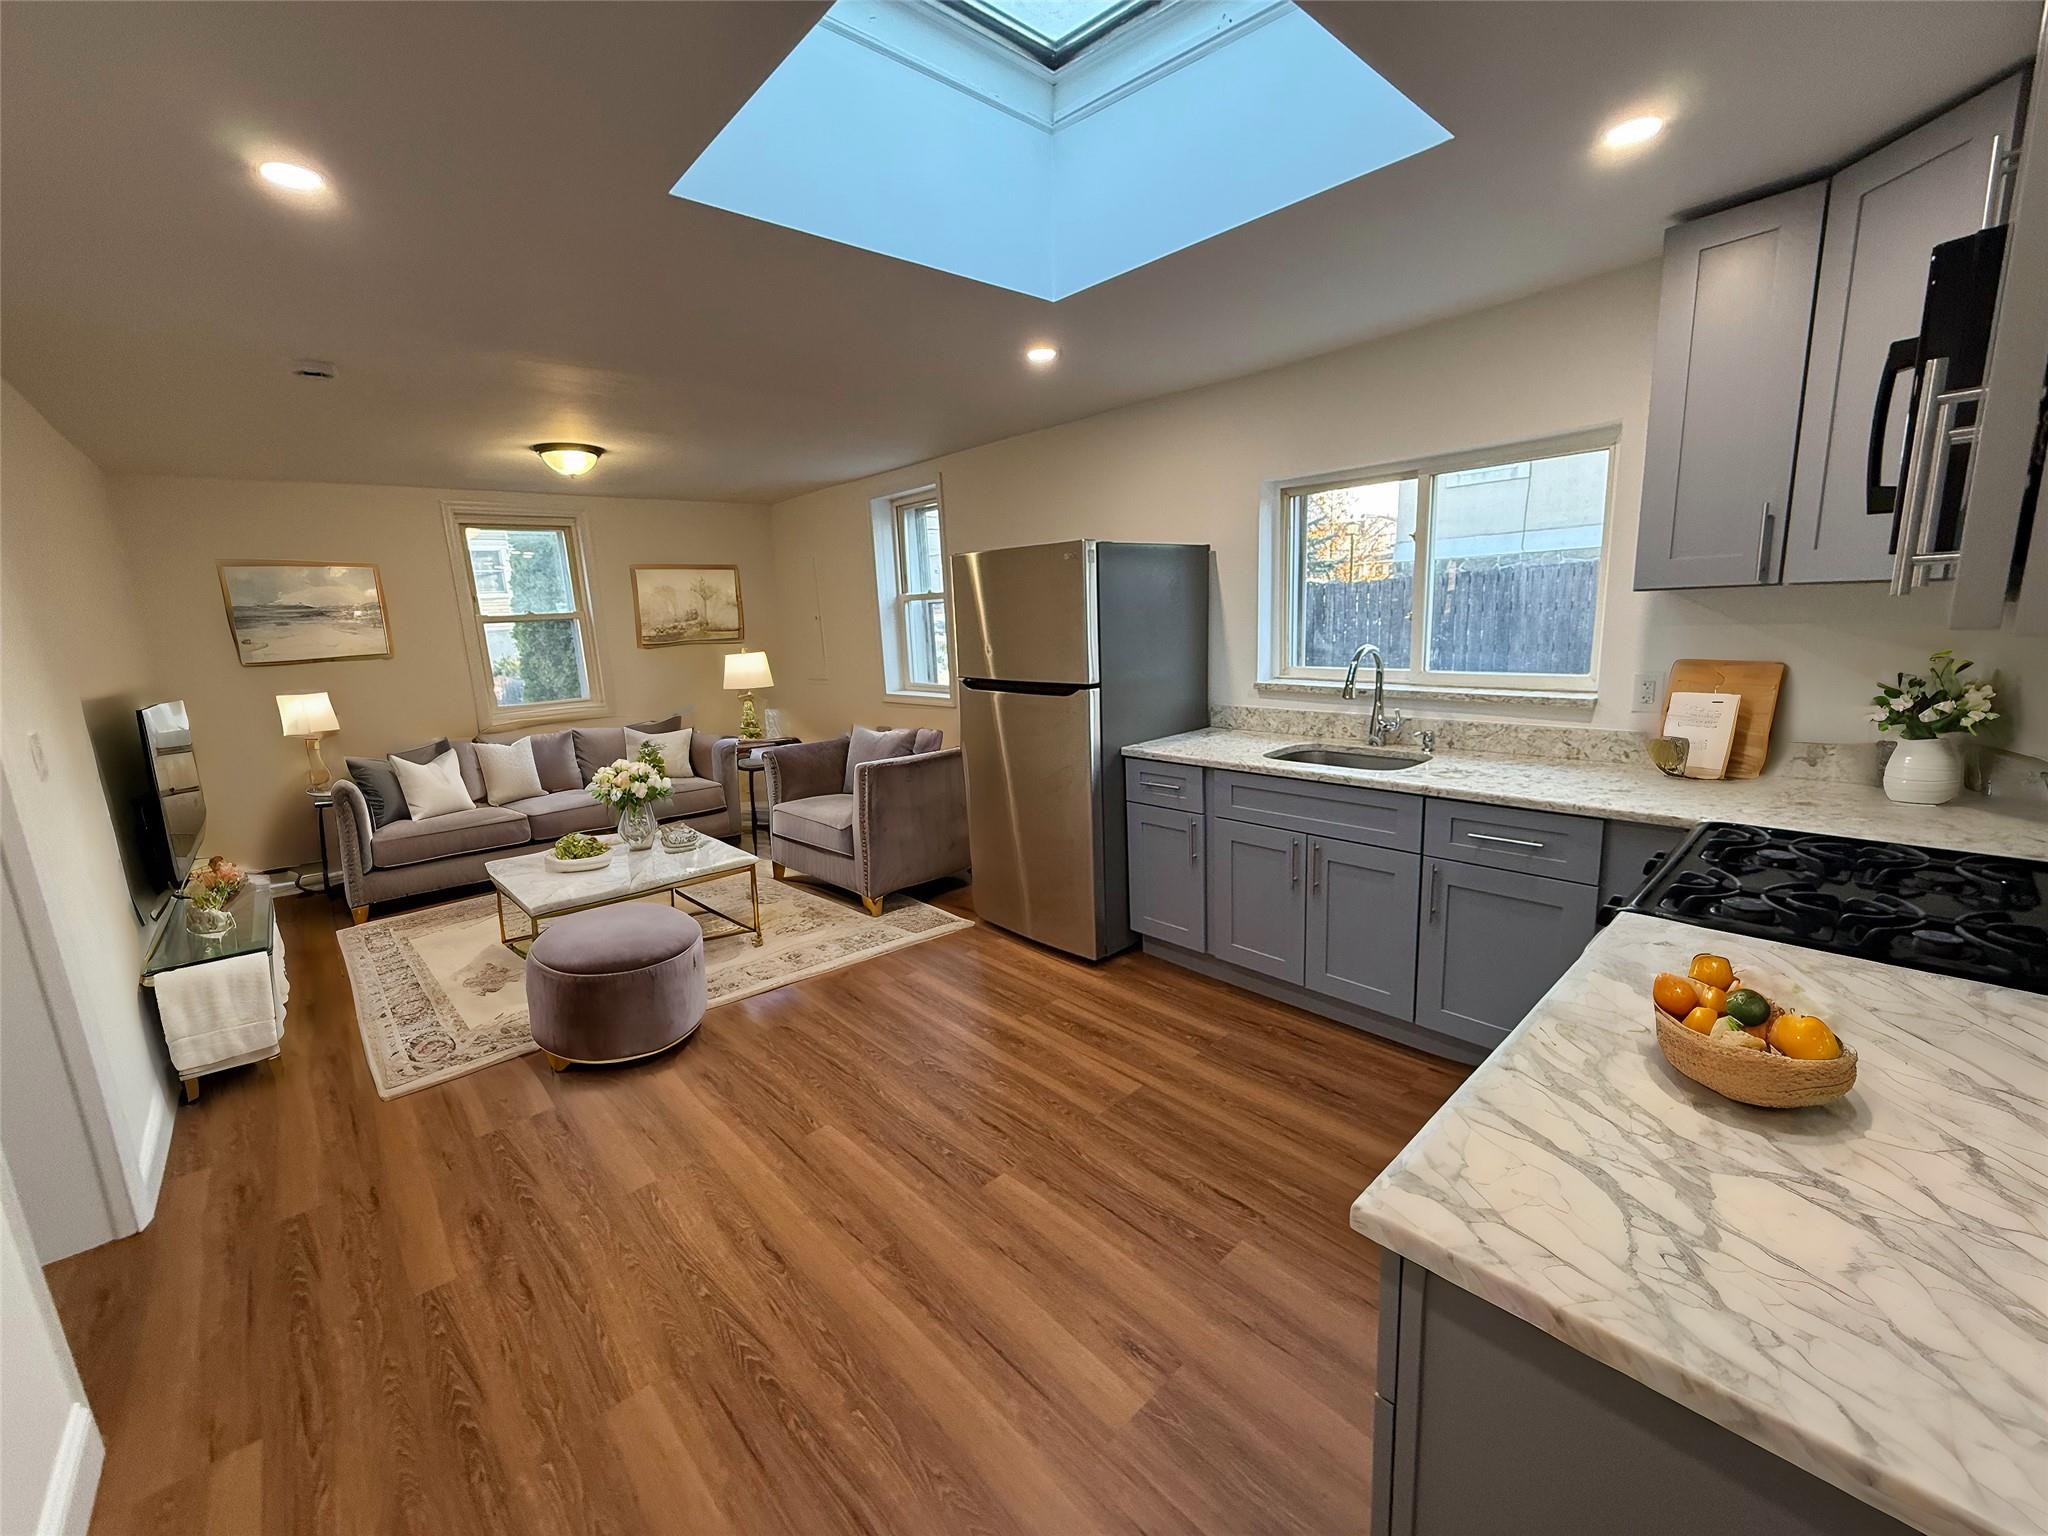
pixel 1860 1287
pixel 1638 792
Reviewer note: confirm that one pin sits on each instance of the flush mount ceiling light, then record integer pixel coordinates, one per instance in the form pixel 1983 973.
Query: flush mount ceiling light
pixel 570 459
pixel 293 178
pixel 1630 132
pixel 1041 356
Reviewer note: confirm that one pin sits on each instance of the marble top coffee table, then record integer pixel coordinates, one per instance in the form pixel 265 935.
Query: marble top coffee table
pixel 541 893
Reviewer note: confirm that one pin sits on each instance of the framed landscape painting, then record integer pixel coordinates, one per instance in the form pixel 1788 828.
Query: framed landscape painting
pixel 687 604
pixel 282 611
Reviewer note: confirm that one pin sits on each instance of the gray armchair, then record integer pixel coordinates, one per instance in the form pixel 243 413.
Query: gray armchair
pixel 902 822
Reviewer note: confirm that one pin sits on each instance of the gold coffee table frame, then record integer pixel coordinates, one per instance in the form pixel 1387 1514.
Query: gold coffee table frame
pixel 521 944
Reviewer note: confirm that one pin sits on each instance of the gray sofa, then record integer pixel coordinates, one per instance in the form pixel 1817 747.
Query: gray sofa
pixel 404 857
pixel 892 822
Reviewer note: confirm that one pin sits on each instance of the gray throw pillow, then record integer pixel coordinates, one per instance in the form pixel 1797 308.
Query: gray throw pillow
pixel 379 783
pixel 866 746
pixel 555 756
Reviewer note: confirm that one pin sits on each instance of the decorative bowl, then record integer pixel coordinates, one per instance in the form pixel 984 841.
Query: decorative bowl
pixel 576 866
pixel 1763 1078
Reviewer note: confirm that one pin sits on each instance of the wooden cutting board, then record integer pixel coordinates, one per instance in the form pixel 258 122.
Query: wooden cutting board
pixel 1757 682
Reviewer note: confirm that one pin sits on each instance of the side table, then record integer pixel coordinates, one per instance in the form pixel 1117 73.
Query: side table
pixel 323 801
pixel 753 765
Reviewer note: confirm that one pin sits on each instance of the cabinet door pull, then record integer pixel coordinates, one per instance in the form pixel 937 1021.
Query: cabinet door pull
pixel 1294 861
pixel 1315 861
pixel 1436 872
pixel 1513 842
pixel 1763 547
pixel 1194 841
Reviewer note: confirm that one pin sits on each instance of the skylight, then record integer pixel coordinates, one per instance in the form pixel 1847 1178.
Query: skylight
pixel 1051 31
pixel 905 128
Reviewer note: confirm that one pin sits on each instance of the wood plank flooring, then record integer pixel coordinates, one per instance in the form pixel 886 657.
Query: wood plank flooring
pixel 968 1238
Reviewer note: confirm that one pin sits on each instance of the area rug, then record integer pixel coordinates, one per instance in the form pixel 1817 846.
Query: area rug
pixel 437 995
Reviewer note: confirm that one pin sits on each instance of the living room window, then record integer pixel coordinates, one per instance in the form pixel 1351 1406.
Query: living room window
pixel 1469 571
pixel 530 640
pixel 910 589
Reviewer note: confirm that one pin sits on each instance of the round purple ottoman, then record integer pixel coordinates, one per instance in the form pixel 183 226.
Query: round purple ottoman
pixel 614 984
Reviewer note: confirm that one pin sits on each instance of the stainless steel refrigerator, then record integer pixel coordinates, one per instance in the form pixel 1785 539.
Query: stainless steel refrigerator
pixel 1067 654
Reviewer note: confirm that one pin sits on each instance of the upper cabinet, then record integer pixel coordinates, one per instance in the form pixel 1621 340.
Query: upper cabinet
pixel 1790 370
pixel 1724 394
pixel 1886 214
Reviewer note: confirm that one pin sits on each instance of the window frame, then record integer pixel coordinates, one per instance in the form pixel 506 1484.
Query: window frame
pixel 894 595
pixel 1284 546
pixel 458 518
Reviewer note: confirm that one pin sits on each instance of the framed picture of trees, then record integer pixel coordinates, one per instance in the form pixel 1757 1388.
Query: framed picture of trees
pixel 687 605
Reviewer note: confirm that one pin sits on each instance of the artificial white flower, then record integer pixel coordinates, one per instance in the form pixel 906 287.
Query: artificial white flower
pixel 1930 714
pixel 1880 715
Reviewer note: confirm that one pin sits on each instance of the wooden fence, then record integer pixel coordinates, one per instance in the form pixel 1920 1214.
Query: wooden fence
pixel 1493 613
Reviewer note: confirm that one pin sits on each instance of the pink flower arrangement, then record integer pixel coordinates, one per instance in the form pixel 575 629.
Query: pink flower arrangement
pixel 214 884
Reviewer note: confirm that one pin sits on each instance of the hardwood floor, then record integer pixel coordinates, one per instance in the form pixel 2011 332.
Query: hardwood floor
pixel 968 1238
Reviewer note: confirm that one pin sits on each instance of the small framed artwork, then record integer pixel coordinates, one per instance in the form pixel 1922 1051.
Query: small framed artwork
pixel 687 604
pixel 282 611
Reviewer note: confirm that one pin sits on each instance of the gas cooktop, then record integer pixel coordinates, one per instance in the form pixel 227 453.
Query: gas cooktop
pixel 1962 914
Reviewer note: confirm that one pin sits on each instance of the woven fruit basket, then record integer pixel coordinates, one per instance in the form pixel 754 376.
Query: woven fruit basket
pixel 1762 1078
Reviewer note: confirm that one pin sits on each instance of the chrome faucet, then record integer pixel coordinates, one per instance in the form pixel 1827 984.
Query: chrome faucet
pixel 1382 727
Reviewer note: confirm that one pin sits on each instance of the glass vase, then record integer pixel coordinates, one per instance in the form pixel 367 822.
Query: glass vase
pixel 208 922
pixel 636 826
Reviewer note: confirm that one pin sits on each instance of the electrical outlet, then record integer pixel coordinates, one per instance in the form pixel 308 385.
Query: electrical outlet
pixel 1649 688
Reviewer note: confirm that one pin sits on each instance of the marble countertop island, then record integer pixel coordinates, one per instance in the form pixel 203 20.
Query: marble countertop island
pixel 1638 792
pixel 1860 1287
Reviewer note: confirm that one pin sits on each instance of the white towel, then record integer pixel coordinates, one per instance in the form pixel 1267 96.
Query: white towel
pixel 222 1010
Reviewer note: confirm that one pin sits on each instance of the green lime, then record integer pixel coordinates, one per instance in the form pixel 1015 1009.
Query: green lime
pixel 1748 1008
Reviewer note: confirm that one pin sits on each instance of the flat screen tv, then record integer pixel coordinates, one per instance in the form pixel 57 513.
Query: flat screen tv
pixel 170 814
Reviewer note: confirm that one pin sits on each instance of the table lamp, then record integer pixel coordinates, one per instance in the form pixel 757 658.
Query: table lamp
pixel 310 715
pixel 744 672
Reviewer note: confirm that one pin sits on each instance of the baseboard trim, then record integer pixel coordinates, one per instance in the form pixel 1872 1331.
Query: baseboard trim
pixel 1397 1030
pixel 74 1476
pixel 153 1156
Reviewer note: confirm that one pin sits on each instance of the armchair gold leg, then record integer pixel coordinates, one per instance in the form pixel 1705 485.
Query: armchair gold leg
pixel 775 869
pixel 873 904
pixel 360 914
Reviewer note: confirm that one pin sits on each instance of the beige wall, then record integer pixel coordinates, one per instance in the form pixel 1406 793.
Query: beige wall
pixel 71 641
pixel 1189 468
pixel 178 529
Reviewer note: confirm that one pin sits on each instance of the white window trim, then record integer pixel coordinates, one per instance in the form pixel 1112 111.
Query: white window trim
pixel 490 716
pixel 1277 570
pixel 891 600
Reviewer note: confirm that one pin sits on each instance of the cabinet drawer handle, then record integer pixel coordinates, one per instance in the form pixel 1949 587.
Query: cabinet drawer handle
pixel 1436 874
pixel 1171 786
pixel 1293 861
pixel 1513 842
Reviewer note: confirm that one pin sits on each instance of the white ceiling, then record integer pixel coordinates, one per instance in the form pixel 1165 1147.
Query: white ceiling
pixel 502 262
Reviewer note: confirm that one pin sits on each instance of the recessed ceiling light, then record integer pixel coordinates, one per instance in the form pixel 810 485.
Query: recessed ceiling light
pixel 571 459
pixel 1041 356
pixel 1632 131
pixel 293 178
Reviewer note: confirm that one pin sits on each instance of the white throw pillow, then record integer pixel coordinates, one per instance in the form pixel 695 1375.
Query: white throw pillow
pixel 675 749
pixel 509 770
pixel 432 789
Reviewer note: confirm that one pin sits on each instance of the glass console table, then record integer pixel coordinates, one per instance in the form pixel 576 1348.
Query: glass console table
pixel 177 948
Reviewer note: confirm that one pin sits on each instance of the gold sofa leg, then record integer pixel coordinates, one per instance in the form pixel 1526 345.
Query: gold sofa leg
pixel 873 904
pixel 775 869
pixel 360 914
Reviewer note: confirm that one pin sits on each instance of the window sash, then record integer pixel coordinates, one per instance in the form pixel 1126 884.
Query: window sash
pixel 921 653
pixel 493 715
pixel 1290 530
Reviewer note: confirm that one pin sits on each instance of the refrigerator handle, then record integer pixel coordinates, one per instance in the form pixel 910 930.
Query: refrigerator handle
pixel 1002 685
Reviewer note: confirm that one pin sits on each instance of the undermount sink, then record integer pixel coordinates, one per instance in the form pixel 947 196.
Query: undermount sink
pixel 1372 760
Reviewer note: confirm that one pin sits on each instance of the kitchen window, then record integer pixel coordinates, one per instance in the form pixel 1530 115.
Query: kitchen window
pixel 1472 571
pixel 910 590
pixel 526 595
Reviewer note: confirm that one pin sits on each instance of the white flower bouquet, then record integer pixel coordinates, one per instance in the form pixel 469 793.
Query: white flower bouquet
pixel 628 782
pixel 1919 708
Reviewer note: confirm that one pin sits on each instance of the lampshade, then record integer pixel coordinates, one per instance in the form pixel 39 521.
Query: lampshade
pixel 748 669
pixel 306 714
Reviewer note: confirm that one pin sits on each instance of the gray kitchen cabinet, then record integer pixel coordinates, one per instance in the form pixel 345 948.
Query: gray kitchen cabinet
pixel 1361 925
pixel 1886 213
pixel 1257 897
pixel 1167 898
pixel 1730 360
pixel 1492 941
